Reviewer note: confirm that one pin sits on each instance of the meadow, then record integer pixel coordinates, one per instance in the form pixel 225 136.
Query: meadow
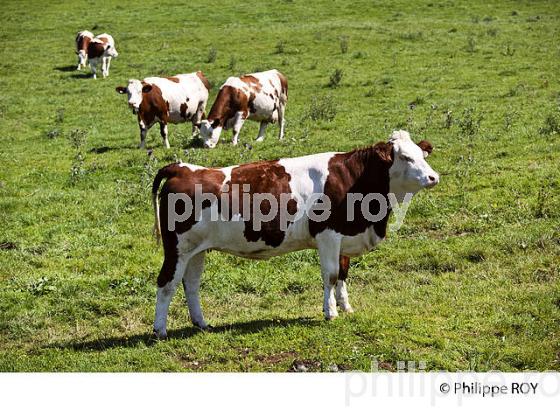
pixel 470 282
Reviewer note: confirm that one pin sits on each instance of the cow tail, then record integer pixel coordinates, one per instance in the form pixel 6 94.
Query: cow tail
pixel 164 173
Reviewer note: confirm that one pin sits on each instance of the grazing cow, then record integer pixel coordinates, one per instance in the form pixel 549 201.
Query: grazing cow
pixel 101 48
pixel 176 99
pixel 82 42
pixel 259 97
pixel 394 170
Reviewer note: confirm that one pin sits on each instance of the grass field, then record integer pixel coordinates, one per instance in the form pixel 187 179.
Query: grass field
pixel 472 280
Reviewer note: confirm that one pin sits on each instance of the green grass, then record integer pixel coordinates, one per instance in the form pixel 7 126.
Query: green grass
pixel 471 282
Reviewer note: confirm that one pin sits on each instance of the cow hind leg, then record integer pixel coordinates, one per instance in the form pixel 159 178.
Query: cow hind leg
pixel 93 66
pixel 328 246
pixel 170 275
pixel 163 132
pixel 262 131
pixel 191 285
pixel 143 133
pixel 107 65
pixel 341 291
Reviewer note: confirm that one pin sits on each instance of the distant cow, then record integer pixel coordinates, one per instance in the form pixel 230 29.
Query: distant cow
pixel 83 38
pixel 394 170
pixel 174 100
pixel 259 97
pixel 101 48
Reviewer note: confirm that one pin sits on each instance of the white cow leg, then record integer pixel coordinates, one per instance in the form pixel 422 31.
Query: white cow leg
pixel 104 66
pixel 328 245
pixel 239 120
pixel 342 296
pixel 191 285
pixel 163 132
pixel 262 131
pixel 164 296
pixel 143 132
pixel 107 66
pixel 281 121
pixel 93 66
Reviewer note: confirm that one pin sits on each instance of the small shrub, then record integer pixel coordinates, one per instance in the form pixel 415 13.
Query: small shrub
pixel 471 45
pixel 322 108
pixel 344 44
pixel 313 65
pixel 508 51
pixel 40 287
pixel 232 63
pixel 335 78
pixel 492 32
pixel 448 119
pixel 469 123
pixel 358 54
pixel 509 118
pixel 280 46
pixel 78 139
pixel 212 54
pixel 551 124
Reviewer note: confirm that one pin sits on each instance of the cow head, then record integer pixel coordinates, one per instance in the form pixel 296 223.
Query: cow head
pixel 409 172
pixel 210 132
pixel 134 92
pixel 111 51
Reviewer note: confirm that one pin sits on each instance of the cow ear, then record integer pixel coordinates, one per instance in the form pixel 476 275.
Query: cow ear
pixel 147 88
pixel 121 90
pixel 215 123
pixel 384 151
pixel 426 147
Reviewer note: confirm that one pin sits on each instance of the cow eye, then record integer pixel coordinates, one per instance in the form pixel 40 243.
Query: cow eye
pixel 406 158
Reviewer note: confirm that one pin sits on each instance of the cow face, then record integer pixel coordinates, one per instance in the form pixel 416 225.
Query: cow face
pixel 134 93
pixel 409 171
pixel 111 51
pixel 210 133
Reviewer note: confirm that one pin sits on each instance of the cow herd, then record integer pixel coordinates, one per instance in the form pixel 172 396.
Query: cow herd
pixel 336 202
pixel 260 97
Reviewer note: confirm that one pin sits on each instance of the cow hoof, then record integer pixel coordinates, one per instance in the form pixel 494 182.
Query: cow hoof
pixel 160 334
pixel 204 327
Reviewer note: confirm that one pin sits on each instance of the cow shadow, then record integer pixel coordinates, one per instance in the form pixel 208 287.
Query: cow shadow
pixel 81 76
pixel 66 68
pixel 148 339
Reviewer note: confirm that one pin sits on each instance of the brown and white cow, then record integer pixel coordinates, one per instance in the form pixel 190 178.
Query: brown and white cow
pixel 174 100
pixel 259 97
pixel 83 38
pixel 224 221
pixel 101 49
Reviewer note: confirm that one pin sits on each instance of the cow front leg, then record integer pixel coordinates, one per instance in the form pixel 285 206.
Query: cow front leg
pixel 262 131
pixel 170 275
pixel 328 245
pixel 191 285
pixel 143 133
pixel 281 120
pixel 197 118
pixel 237 124
pixel 107 65
pixel 93 66
pixel 341 291
pixel 163 132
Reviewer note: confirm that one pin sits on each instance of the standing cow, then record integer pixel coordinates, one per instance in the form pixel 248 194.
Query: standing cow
pixel 174 100
pixel 101 48
pixel 259 97
pixel 386 173
pixel 83 38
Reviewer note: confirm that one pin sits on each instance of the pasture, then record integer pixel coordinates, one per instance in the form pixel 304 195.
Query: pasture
pixel 470 282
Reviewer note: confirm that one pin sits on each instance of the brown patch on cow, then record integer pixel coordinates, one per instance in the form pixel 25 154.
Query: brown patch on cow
pixel 283 84
pixel 263 177
pixel 426 146
pixel 82 42
pixel 344 265
pixel 253 82
pixel 153 105
pixel 229 101
pixel 204 80
pixel 183 110
pixel 181 180
pixel 95 49
pixel 174 79
pixel 361 171
pixel 104 40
